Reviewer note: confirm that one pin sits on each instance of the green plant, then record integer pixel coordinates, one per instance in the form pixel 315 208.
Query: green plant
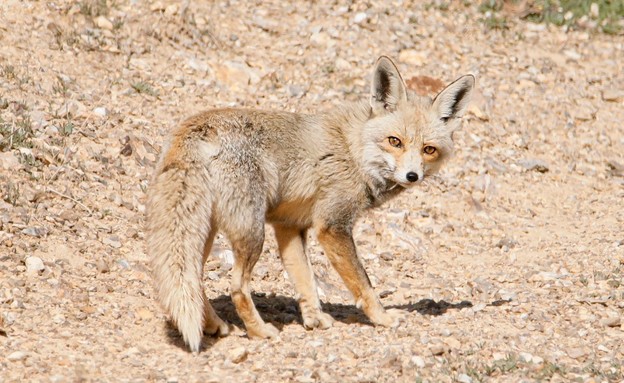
pixel 11 193
pixel 143 87
pixel 16 135
pixel 94 8
pixel 605 15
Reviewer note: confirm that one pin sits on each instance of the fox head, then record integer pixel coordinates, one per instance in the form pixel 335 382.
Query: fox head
pixel 408 137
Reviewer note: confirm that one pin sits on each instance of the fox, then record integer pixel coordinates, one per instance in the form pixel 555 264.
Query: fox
pixel 233 170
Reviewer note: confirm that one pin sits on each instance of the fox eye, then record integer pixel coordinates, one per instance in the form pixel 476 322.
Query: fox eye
pixel 394 141
pixel 429 150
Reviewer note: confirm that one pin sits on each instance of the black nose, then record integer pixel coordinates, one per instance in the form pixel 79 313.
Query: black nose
pixel 412 177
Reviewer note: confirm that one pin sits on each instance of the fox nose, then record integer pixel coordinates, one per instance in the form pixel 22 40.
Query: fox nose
pixel 412 177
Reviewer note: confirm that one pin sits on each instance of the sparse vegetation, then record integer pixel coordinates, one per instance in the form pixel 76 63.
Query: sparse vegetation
pixel 16 135
pixel 11 192
pixel 604 15
pixel 95 8
pixel 143 88
pixel 78 198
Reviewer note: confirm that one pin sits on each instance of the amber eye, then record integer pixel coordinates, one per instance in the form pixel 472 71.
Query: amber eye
pixel 429 150
pixel 394 141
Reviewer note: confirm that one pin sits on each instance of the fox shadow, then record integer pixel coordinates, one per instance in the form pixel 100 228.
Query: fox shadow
pixel 280 311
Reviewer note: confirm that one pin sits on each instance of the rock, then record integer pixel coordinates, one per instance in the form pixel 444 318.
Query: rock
pixel 479 106
pixel 537 359
pixel 342 64
pixel 390 360
pixel 594 10
pixel 360 17
pixel 112 241
pixel 479 307
pixel 425 85
pixel 526 357
pixel 171 10
pixel 575 353
pixel 103 23
pixel 505 241
pixel 613 95
pixel 572 54
pixel 438 349
pixel 452 343
pixel 8 161
pixel 534 165
pixel 58 319
pixel 418 361
pixel 71 109
pixel 615 168
pixel 17 356
pixel 123 264
pixel 320 38
pixel 584 112
pixel 237 75
pixel 413 57
pixel 198 65
pixel 238 355
pixel 102 266
pixel 35 231
pixel 100 111
pixel 611 321
pixel 463 378
pixel 39 119
pixel 144 313
pixel 296 91
pixel 34 265
pixel 226 258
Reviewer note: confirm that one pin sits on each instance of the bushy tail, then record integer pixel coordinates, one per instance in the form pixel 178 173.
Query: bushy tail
pixel 178 224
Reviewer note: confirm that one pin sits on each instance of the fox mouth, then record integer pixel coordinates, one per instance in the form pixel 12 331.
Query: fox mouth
pixel 394 184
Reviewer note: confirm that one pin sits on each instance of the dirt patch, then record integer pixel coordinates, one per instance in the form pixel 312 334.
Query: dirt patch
pixel 509 264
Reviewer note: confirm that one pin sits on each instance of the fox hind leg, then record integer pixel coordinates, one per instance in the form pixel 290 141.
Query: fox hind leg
pixel 247 249
pixel 213 325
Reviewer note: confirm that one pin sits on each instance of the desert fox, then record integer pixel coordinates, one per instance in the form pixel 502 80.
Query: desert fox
pixel 233 170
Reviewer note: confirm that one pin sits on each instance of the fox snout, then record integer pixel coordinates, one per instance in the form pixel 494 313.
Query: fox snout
pixel 409 166
pixel 412 176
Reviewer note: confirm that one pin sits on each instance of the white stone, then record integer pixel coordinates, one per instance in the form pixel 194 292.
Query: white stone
pixel 34 264
pixel 418 361
pixel 8 161
pixel 359 17
pixel 17 356
pixel 100 111
pixel 103 23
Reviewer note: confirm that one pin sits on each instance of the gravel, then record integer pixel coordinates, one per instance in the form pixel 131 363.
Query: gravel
pixel 508 265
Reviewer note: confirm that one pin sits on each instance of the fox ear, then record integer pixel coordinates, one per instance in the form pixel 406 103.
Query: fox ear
pixel 388 88
pixel 452 101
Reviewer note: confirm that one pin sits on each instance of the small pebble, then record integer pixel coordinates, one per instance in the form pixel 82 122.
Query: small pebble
pixel 34 265
pixel 238 355
pixel 17 356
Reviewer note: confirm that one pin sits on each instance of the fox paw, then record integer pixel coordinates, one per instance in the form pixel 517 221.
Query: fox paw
pixel 391 318
pixel 217 328
pixel 263 331
pixel 317 319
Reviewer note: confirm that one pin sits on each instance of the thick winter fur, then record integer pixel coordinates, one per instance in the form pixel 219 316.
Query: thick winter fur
pixel 233 170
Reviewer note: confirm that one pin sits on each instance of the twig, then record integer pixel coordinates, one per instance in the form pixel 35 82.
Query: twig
pixel 72 199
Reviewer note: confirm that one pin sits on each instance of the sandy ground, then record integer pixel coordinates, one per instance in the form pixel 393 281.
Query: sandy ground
pixel 509 265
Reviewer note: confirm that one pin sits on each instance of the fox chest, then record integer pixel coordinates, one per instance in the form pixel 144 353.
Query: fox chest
pixel 294 212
